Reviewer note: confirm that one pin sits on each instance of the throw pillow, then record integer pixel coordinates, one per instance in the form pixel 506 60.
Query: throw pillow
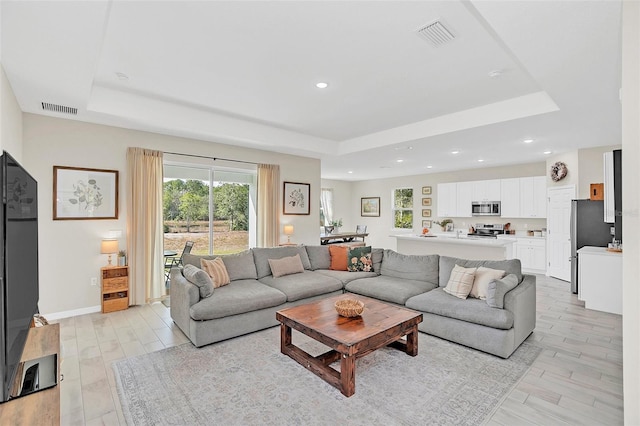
pixel 199 278
pixel 286 266
pixel 359 259
pixel 483 277
pixel 338 258
pixel 498 288
pixel 460 282
pixel 216 270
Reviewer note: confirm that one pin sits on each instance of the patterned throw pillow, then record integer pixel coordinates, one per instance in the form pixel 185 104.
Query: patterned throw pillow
pixel 216 270
pixel 481 282
pixel 338 258
pixel 460 282
pixel 359 259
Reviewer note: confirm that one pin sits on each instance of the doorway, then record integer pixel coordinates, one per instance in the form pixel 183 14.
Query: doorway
pixel 559 231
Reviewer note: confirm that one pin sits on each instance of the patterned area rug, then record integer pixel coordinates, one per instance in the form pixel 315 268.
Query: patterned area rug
pixel 247 380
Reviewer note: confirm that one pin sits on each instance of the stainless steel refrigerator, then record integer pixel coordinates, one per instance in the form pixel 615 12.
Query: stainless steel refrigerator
pixel 587 229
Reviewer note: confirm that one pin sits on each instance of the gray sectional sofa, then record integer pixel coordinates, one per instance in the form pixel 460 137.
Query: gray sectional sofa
pixel 250 301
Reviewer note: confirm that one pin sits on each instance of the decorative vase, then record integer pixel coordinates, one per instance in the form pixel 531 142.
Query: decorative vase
pixel 122 261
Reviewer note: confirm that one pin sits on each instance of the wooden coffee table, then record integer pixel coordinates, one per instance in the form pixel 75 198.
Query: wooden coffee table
pixel 380 325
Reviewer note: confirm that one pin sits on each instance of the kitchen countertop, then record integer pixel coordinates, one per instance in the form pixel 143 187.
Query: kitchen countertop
pixel 514 236
pixel 463 240
pixel 599 251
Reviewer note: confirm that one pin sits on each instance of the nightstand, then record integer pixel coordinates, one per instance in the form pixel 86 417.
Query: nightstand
pixel 115 288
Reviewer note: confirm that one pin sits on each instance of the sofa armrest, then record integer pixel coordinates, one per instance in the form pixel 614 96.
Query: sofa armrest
pixel 521 301
pixel 183 295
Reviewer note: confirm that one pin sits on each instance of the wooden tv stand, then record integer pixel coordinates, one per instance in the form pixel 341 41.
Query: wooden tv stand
pixel 43 407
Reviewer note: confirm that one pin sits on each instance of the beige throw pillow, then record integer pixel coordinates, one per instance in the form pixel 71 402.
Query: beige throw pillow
pixel 460 281
pixel 481 283
pixel 216 270
pixel 286 266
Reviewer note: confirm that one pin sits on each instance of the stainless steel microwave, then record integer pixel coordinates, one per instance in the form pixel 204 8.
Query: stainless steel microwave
pixel 485 208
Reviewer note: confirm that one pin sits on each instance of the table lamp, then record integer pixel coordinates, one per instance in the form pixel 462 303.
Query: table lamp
pixel 109 247
pixel 288 231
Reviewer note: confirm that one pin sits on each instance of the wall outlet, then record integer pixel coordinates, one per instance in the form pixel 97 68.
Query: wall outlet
pixel 94 281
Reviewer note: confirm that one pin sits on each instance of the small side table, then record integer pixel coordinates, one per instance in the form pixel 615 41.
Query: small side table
pixel 115 288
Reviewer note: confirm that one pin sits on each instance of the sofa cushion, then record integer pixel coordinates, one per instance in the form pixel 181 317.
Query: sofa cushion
pixel 240 266
pixel 216 270
pixel 338 258
pixel 346 276
pixel 376 259
pixel 261 256
pixel 319 257
pixel 471 310
pixel 460 282
pixel 498 288
pixel 199 278
pixel 286 266
pixel 510 266
pixel 481 282
pixel 301 286
pixel 359 259
pixel 239 297
pixel 389 289
pixel 410 267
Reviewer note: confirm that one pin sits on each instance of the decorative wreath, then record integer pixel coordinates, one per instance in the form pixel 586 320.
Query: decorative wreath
pixel 559 171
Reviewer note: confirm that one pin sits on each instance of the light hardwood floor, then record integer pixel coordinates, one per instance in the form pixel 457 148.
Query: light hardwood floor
pixel 577 379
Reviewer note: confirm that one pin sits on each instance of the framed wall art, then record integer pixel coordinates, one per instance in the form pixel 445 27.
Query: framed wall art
pixel 370 206
pixel 295 198
pixel 88 194
pixel 426 212
pixel 426 202
pixel 426 190
pixel 426 224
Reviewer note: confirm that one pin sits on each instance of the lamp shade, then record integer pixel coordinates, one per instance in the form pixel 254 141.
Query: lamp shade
pixel 109 246
pixel 288 230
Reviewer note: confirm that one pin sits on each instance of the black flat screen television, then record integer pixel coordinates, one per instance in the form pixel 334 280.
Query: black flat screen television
pixel 18 265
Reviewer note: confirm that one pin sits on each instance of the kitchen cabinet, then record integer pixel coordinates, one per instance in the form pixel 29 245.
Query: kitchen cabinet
pixel 600 279
pixel 533 197
pixel 447 199
pixel 486 190
pixel 609 192
pixel 532 253
pixel 510 197
pixel 464 198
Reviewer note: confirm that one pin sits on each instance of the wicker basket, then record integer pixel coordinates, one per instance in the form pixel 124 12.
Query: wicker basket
pixel 349 307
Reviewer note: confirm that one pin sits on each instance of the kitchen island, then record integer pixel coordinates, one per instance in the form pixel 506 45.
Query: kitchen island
pixel 454 246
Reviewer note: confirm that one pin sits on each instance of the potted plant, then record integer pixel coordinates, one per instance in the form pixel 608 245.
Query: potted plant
pixel 122 258
pixel 443 224
pixel 337 224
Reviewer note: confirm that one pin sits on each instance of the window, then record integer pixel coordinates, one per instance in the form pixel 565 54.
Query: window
pixel 326 206
pixel 402 208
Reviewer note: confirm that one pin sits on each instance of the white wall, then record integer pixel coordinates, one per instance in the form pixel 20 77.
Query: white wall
pixel 631 209
pixel 10 119
pixel 70 250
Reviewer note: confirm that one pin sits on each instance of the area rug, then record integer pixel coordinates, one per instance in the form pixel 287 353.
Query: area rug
pixel 247 380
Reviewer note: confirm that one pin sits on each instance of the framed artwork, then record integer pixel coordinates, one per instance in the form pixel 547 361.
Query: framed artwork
pixel 426 212
pixel 84 194
pixel 426 190
pixel 295 198
pixel 426 202
pixel 426 224
pixel 370 206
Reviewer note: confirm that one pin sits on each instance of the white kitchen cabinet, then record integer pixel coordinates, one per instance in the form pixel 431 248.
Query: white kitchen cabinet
pixel 464 198
pixel 532 253
pixel 600 279
pixel 609 193
pixel 510 197
pixel 486 190
pixel 533 197
pixel 447 200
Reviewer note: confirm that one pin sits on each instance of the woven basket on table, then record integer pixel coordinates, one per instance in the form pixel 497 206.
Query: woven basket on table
pixel 349 307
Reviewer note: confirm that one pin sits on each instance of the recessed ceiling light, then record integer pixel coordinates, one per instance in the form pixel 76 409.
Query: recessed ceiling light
pixel 122 76
pixel 547 152
pixel 454 152
pixel 527 140
pixel 495 73
pixel 322 85
pixel 399 161
pixel 480 160
pixel 350 171
pixel 429 166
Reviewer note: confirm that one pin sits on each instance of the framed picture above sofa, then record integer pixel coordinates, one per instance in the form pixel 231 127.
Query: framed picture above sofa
pixel 295 198
pixel 370 206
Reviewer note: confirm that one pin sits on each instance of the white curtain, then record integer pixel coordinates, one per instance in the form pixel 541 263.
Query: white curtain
pixel 268 205
pixel 144 225
pixel 326 201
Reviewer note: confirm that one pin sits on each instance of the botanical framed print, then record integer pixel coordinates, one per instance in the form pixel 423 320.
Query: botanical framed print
pixel 295 198
pixel 426 202
pixel 426 224
pixel 88 194
pixel 426 212
pixel 426 190
pixel 370 206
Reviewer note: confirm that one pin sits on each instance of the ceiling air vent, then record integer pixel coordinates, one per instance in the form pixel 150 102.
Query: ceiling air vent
pixel 59 108
pixel 436 33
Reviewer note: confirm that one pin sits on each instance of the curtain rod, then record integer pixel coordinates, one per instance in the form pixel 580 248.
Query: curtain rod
pixel 211 158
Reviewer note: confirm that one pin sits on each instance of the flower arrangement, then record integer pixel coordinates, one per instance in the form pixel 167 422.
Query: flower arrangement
pixel 443 223
pixel 337 223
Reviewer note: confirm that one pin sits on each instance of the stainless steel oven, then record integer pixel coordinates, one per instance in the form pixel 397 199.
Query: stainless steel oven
pixel 485 208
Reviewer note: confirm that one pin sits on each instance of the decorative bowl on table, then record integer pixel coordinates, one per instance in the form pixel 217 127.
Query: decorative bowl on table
pixel 349 307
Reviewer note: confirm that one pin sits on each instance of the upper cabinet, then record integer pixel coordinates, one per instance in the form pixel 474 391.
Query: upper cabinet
pixel 510 197
pixel 533 197
pixel 486 190
pixel 447 199
pixel 464 198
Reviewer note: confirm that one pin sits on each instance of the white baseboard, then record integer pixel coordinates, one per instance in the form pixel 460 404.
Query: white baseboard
pixel 73 313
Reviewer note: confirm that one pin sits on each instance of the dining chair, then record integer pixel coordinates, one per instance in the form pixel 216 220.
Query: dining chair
pixel 170 262
pixel 361 229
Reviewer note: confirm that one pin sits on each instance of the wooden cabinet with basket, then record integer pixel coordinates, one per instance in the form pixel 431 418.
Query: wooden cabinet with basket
pixel 115 288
